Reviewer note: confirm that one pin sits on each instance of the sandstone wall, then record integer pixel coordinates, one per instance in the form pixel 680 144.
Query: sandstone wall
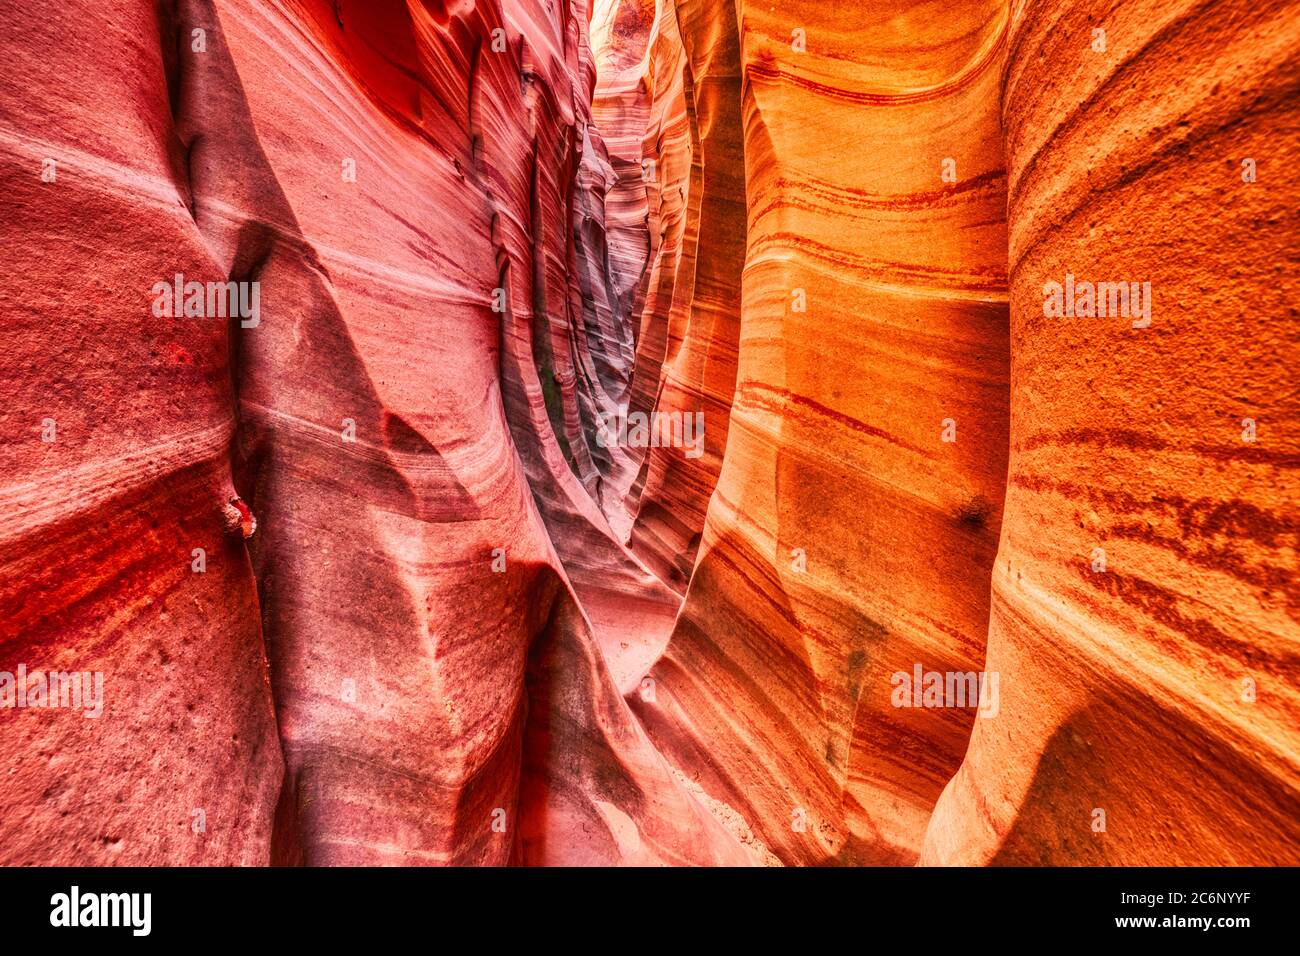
pixel 1160 690
pixel 368 582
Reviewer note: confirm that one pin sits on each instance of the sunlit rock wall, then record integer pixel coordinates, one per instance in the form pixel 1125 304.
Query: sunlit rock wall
pixel 699 376
pixel 1145 599
pixel 379 575
pixel 847 540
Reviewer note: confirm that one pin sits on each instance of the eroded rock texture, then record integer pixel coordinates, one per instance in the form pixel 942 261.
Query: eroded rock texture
pixel 389 573
pixel 846 539
pixel 413 456
pixel 1162 690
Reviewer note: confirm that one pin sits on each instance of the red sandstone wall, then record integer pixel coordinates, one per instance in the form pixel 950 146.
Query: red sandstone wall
pixel 397 655
pixel 466 629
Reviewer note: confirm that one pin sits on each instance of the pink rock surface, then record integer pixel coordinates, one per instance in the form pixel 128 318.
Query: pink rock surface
pixel 387 428
pixel 372 576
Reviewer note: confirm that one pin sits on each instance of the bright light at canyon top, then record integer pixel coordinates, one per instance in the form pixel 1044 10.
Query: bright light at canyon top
pixel 620 30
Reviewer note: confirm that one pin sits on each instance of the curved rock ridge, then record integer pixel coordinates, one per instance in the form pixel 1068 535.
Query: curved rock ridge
pixel 846 538
pixel 1145 595
pixel 698 379
pixel 984 550
pixel 409 440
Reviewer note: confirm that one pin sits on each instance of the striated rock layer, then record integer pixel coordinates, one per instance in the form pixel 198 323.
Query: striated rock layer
pixel 699 367
pixel 104 519
pixel 380 574
pixel 846 539
pixel 1161 690
pixel 404 435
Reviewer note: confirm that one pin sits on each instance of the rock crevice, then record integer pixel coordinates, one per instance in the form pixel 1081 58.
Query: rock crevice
pixel 424 560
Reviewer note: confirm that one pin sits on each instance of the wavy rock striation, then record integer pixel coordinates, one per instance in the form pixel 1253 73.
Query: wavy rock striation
pixel 1145 598
pixel 384 570
pixel 846 538
pixel 410 441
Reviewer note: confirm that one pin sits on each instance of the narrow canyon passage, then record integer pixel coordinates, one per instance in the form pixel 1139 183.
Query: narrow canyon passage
pixel 652 443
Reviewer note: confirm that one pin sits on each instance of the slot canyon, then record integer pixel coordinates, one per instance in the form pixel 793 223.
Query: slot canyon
pixel 648 432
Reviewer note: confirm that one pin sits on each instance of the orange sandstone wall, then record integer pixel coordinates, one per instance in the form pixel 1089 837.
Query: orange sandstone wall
pixel 672 192
pixel 846 540
pixel 700 369
pixel 1145 598
pixel 367 582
